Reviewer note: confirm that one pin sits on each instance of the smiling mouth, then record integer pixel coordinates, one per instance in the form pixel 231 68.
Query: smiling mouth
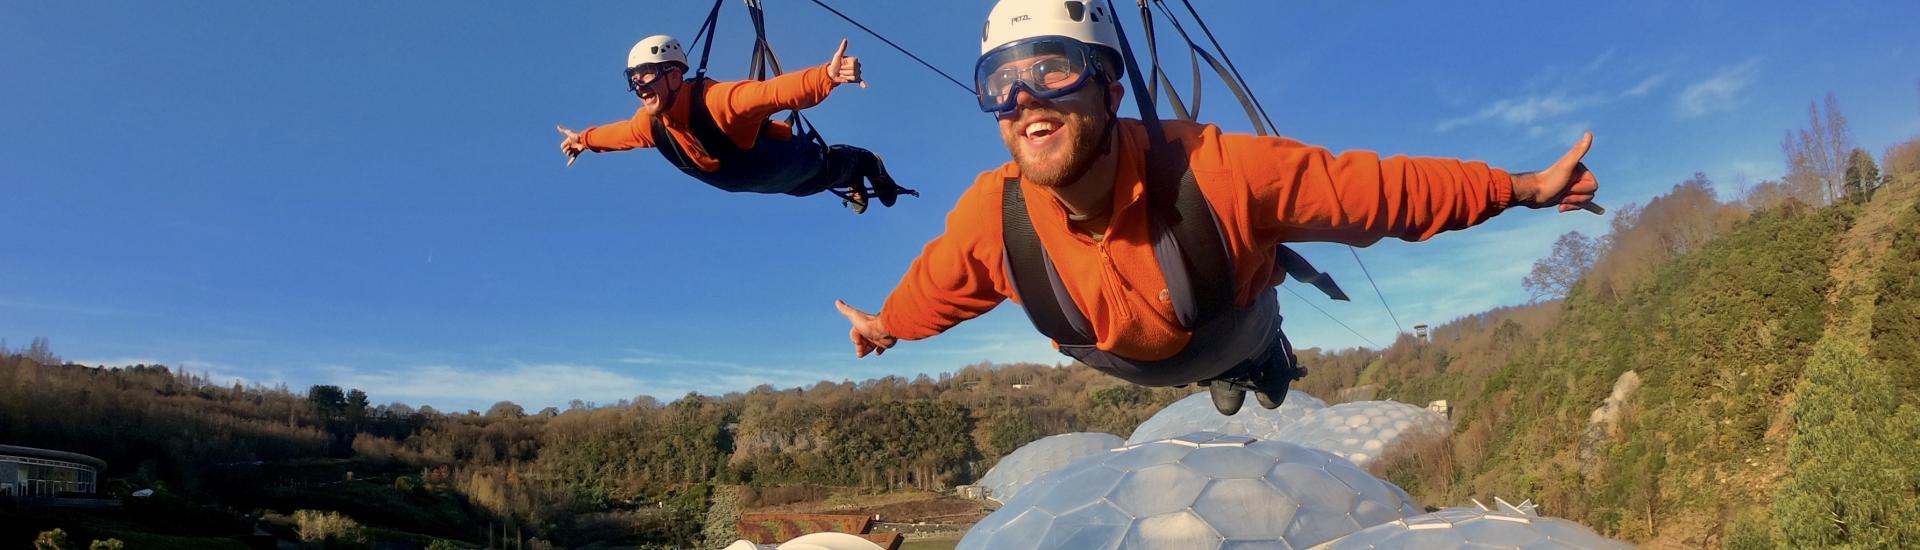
pixel 1041 128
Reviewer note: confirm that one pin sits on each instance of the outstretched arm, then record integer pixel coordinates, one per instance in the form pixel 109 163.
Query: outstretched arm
pixel 754 100
pixel 1358 198
pixel 633 133
pixel 957 277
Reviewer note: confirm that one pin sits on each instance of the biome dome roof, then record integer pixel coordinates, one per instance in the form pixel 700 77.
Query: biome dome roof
pixel 1197 491
pixel 1360 431
pixel 1466 528
pixel 1030 461
pixel 1195 413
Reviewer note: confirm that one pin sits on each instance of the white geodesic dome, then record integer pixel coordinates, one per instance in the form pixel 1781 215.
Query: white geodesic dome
pixel 1197 491
pixel 1362 430
pixel 1195 413
pixel 1032 460
pixel 1469 528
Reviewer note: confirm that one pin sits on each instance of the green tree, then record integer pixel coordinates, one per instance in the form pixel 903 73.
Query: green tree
pixel 328 401
pixel 1851 482
pixel 356 408
pixel 1863 176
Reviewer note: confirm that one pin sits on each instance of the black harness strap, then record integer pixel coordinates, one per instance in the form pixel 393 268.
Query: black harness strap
pixel 705 131
pixel 1179 207
pixel 1028 264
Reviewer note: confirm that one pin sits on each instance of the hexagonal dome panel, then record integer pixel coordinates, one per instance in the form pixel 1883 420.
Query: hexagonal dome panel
pixel 1472 528
pixel 1030 461
pixel 1195 413
pixel 1360 431
pixel 1200 490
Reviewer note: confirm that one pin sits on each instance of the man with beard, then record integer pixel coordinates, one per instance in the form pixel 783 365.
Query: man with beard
pixel 1049 71
pixel 725 139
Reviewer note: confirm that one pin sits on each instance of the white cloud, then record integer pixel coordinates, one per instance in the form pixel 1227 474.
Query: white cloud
pixel 1720 92
pixel 1645 86
pixel 1601 60
pixel 532 386
pixel 1533 111
pixel 1523 111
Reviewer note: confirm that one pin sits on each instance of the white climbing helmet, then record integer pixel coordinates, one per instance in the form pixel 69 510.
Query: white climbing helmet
pixel 1014 20
pixel 658 48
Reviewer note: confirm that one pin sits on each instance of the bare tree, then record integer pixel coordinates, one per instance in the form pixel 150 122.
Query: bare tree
pixel 1817 155
pixel 42 353
pixel 1554 275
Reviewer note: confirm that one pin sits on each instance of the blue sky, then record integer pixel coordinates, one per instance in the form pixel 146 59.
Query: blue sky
pixel 370 194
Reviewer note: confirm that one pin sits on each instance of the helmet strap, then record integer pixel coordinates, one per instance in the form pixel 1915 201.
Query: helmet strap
pixel 1113 116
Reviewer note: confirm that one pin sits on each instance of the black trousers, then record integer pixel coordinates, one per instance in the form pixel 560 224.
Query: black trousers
pixel 843 168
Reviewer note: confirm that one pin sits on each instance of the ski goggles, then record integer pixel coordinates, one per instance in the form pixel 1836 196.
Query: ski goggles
pixel 1046 67
pixel 645 74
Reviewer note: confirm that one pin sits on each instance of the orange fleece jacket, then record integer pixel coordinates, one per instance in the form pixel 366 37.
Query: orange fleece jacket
pixel 1264 190
pixel 739 108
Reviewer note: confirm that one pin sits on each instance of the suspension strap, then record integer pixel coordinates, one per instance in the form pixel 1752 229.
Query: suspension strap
pixel 1195 51
pixel 763 58
pixel 707 30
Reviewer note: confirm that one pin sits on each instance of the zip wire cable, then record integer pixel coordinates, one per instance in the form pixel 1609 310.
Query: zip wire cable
pixel 924 62
pixel 1336 320
pixel 1376 290
pixel 1269 119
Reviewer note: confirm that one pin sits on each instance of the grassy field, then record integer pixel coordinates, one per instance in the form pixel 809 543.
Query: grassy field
pixel 930 544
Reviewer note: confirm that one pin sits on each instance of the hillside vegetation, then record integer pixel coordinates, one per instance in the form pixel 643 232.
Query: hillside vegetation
pixel 1774 350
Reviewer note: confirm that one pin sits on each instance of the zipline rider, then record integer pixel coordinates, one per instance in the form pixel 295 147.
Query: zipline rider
pixel 1049 71
pixel 719 133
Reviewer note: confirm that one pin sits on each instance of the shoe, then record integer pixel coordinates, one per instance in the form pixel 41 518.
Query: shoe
pixel 1270 383
pixel 855 200
pixel 1227 396
pixel 883 185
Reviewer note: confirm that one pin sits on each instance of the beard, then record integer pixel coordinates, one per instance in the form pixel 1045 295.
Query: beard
pixel 1064 163
pixel 662 97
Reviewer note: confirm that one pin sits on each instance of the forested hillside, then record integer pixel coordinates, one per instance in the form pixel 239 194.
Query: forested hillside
pixel 1737 373
pixel 630 472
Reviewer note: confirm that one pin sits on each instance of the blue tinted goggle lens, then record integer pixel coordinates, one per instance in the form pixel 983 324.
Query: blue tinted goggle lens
pixel 1048 67
pixel 643 74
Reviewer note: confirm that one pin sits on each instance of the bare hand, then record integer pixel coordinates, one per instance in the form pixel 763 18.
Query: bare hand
pixel 868 335
pixel 1567 184
pixel 570 143
pixel 844 68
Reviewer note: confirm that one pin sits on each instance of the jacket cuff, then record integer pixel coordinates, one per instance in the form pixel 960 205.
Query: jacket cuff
pixel 1502 189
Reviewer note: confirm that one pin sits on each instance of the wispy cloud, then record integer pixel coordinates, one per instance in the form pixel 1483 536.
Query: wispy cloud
pixel 530 385
pixel 75 309
pixel 1523 111
pixel 1720 92
pixel 1556 92
pixel 1645 86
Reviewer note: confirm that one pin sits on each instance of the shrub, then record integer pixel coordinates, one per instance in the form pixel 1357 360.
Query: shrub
pixel 328 529
pixel 51 540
